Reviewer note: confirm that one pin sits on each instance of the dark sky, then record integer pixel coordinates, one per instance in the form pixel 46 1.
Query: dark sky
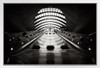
pixel 20 17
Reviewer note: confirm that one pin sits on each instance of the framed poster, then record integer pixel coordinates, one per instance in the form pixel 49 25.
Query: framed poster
pixel 49 33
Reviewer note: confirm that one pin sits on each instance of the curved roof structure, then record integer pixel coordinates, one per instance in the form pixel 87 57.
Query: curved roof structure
pixel 49 17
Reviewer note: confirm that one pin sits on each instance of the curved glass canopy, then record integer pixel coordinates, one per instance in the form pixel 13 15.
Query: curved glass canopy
pixel 50 14
pixel 49 23
pixel 50 18
pixel 50 10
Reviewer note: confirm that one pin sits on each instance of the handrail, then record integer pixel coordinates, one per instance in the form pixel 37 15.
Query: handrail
pixel 74 45
pixel 25 45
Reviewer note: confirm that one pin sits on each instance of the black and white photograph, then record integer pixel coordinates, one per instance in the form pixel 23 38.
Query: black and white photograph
pixel 50 34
